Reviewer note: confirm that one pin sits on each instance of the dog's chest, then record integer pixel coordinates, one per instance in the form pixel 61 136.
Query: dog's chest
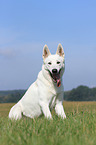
pixel 51 95
pixel 52 102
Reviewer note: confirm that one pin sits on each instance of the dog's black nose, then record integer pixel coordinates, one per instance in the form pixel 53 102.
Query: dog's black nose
pixel 54 70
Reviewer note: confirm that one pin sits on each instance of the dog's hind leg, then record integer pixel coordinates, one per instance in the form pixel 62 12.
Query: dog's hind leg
pixel 16 112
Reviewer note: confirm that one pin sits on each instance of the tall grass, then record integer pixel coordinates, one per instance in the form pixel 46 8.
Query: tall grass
pixel 78 129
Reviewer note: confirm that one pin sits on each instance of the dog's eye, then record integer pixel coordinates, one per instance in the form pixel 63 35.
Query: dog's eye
pixel 49 63
pixel 58 62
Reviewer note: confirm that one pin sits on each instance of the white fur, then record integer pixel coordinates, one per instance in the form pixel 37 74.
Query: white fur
pixel 43 94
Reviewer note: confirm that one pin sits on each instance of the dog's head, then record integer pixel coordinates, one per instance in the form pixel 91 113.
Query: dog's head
pixel 54 64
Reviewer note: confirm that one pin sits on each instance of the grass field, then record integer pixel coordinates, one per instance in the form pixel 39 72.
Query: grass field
pixel 78 129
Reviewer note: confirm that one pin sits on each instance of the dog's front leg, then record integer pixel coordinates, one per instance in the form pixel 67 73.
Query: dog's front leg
pixel 59 106
pixel 45 109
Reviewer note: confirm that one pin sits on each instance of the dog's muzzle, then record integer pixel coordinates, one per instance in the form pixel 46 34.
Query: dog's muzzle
pixel 56 76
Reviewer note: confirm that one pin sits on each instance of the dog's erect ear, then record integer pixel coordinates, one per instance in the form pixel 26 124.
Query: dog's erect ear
pixel 60 50
pixel 46 52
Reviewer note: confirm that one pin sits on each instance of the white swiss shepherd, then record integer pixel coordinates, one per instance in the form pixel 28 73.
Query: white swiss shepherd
pixel 46 92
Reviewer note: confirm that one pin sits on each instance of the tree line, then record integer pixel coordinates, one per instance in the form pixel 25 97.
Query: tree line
pixel 81 93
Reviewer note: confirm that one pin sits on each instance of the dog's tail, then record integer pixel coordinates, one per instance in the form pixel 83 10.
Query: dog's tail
pixel 16 112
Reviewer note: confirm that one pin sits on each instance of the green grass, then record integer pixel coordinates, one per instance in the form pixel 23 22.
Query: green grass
pixel 78 129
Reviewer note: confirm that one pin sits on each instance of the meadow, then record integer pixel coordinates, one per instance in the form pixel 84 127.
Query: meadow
pixel 78 129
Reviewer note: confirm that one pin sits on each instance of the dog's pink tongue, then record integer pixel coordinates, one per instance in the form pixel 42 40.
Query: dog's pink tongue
pixel 58 83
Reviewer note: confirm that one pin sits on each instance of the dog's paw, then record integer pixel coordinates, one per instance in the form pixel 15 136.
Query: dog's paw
pixel 64 117
pixel 49 118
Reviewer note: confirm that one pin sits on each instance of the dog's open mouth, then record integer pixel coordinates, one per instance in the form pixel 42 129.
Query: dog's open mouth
pixel 56 78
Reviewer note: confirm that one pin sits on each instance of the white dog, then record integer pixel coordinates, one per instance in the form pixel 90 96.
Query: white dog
pixel 46 92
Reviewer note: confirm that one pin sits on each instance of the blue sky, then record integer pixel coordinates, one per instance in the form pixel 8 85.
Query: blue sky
pixel 27 25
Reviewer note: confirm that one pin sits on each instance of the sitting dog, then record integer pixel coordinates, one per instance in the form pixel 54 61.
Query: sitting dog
pixel 46 92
